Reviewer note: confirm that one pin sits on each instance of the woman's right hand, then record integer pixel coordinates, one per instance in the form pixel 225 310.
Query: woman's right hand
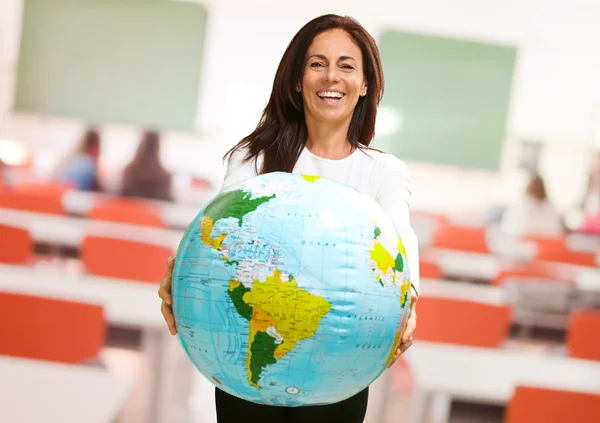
pixel 164 292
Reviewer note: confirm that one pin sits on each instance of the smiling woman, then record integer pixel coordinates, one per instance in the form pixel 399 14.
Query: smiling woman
pixel 333 80
pixel 319 121
pixel 330 54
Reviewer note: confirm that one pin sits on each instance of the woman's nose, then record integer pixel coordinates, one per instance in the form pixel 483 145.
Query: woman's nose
pixel 332 74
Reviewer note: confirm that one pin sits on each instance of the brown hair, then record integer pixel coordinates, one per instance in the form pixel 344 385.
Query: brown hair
pixel 281 132
pixel 90 142
pixel 145 176
pixel 536 188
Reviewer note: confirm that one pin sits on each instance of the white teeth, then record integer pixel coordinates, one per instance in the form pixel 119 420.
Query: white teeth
pixel 330 94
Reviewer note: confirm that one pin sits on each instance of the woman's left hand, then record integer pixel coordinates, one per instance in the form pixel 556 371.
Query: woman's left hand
pixel 407 336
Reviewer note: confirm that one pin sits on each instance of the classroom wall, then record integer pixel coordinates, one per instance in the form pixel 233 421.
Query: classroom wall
pixel 555 98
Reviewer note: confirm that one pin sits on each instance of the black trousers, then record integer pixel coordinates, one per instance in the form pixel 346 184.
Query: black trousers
pixel 231 409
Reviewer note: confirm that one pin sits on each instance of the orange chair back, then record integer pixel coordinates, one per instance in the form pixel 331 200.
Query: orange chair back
pixel 548 243
pixel 50 329
pixel 43 188
pixel 41 202
pixel 124 259
pixel 125 210
pixel 530 271
pixel 532 405
pixel 582 334
pixel 556 249
pixel 430 270
pixel 461 238
pixel 16 245
pixel 462 322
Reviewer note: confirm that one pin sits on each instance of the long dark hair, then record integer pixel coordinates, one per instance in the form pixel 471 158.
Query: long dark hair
pixel 145 175
pixel 536 188
pixel 281 132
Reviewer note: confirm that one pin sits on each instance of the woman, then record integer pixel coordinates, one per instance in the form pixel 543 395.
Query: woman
pixel 533 215
pixel 319 121
pixel 81 169
pixel 145 176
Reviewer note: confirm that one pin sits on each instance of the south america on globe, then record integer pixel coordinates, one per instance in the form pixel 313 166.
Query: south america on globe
pixel 291 290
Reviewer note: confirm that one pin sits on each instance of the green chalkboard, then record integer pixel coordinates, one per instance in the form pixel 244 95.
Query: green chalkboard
pixel 123 61
pixel 446 100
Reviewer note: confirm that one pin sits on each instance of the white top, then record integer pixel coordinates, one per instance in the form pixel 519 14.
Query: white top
pixel 382 177
pixel 43 391
pixel 531 217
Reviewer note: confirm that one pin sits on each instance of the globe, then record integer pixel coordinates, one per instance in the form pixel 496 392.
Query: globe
pixel 291 290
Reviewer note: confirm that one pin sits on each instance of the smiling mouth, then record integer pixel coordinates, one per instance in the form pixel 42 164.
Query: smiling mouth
pixel 331 96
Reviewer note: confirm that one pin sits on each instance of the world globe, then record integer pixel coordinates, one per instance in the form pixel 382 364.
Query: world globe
pixel 291 290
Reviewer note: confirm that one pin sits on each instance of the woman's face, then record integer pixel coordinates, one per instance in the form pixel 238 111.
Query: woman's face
pixel 333 79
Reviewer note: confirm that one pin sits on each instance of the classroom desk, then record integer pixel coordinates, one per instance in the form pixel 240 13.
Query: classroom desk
pixel 484 267
pixel 42 391
pixel 444 372
pixel 174 215
pixel 463 291
pixel 126 303
pixel 69 231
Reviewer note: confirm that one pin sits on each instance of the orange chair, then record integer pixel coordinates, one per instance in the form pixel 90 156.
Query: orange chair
pixel 429 270
pixel 16 245
pixel 532 405
pixel 50 329
pixel 582 335
pixel 47 202
pixel 556 249
pixel 43 188
pixel 532 270
pixel 461 238
pixel 462 322
pixel 117 258
pixel 126 210
pixel 548 243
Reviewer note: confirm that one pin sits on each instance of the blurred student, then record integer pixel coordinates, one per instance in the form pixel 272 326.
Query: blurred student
pixel 533 214
pixel 80 170
pixel 591 202
pixel 2 171
pixel 145 176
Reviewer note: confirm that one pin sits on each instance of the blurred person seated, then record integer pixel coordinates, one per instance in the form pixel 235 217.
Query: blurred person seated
pixel 533 214
pixel 80 170
pixel 2 173
pixel 144 176
pixel 591 202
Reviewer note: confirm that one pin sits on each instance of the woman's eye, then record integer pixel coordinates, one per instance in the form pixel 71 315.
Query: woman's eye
pixel 316 65
pixel 347 67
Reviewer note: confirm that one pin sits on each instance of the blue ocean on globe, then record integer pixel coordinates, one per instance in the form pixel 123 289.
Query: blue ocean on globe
pixel 291 290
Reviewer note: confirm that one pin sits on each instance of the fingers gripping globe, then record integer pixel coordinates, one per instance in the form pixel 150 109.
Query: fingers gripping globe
pixel 291 290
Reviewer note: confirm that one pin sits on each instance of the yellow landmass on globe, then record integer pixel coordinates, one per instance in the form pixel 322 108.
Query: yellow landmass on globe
pixel 383 259
pixel 260 322
pixel 206 227
pixel 298 312
pixel 395 346
pixel 404 289
pixel 400 247
pixel 276 305
pixel 310 178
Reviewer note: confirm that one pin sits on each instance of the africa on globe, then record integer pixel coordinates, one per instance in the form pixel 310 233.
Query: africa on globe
pixel 291 290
